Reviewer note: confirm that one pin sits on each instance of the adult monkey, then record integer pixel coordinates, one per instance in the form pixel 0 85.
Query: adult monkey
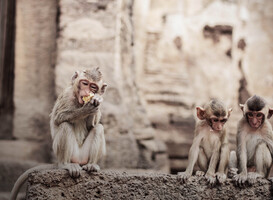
pixel 78 137
pixel 254 142
pixel 210 144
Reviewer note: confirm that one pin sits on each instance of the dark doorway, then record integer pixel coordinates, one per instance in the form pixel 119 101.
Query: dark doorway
pixel 7 47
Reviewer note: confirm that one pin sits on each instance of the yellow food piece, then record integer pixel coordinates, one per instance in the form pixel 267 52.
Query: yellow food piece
pixel 88 98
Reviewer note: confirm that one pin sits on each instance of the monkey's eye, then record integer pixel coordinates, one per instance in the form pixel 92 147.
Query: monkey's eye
pixel 84 83
pixel 259 115
pixel 94 88
pixel 223 120
pixel 215 120
pixel 249 114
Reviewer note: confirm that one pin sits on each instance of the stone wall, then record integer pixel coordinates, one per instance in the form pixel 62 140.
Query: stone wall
pixel 191 51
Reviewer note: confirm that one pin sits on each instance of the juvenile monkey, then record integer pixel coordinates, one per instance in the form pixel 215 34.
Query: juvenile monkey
pixel 78 136
pixel 210 144
pixel 254 142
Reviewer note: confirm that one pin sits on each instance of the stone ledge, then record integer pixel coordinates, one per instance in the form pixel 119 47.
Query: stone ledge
pixel 57 184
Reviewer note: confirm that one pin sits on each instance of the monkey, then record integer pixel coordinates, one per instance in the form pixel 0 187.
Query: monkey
pixel 254 140
pixel 210 147
pixel 77 135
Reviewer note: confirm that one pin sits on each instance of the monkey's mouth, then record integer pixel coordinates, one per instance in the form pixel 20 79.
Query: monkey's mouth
pixel 255 125
pixel 215 130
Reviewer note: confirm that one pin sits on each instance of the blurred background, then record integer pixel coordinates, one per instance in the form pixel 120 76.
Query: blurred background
pixel 160 59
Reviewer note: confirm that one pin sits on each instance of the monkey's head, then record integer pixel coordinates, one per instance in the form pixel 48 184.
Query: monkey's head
pixel 256 111
pixel 86 82
pixel 215 113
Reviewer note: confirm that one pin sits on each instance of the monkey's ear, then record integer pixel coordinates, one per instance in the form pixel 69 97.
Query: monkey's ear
pixel 76 74
pixel 229 111
pixel 242 107
pixel 103 88
pixel 270 113
pixel 200 113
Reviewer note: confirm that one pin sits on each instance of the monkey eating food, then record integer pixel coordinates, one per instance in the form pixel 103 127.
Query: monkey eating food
pixel 88 98
pixel 78 136
pixel 254 142
pixel 210 144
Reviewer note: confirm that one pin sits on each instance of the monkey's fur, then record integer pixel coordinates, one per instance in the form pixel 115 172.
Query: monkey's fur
pixel 210 146
pixel 78 136
pixel 254 144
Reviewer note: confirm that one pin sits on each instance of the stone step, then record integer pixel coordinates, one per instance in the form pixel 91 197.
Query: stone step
pixel 57 184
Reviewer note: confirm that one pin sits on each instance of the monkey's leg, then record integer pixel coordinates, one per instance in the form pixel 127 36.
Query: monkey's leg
pixel 65 147
pixel 202 162
pixel 93 148
pixel 263 161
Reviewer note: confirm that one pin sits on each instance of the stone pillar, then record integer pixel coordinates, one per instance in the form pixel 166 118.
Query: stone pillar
pixel 35 60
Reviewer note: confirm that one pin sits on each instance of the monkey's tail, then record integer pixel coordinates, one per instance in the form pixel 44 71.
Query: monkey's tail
pixel 21 180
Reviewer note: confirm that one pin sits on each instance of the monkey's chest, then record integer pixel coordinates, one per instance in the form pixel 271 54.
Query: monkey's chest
pixel 81 132
pixel 209 143
pixel 252 141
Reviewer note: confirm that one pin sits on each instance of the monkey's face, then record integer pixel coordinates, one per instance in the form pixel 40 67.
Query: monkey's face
pixel 85 88
pixel 255 119
pixel 217 123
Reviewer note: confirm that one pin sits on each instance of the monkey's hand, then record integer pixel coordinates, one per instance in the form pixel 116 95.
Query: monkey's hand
pixel 232 172
pixel 252 177
pixel 90 108
pixel 200 173
pixel 91 167
pixel 240 179
pixel 211 179
pixel 221 177
pixel 96 100
pixel 73 169
pixel 183 176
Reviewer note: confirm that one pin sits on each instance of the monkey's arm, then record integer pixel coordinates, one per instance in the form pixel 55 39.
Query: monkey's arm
pixel 242 154
pixel 224 158
pixel 74 115
pixel 224 153
pixel 241 178
pixel 194 152
pixel 214 159
pixel 193 155
pixel 268 139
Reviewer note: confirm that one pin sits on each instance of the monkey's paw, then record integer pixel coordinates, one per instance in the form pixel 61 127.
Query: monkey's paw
pixel 91 167
pixel 232 172
pixel 240 179
pixel 96 100
pixel 183 176
pixel 271 179
pixel 200 173
pixel 73 169
pixel 252 177
pixel 221 177
pixel 211 179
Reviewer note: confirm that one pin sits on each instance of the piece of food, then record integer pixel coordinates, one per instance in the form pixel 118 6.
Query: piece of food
pixel 88 98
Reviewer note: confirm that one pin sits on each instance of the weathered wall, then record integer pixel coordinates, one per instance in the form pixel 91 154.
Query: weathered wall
pixel 191 51
pixel 57 184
